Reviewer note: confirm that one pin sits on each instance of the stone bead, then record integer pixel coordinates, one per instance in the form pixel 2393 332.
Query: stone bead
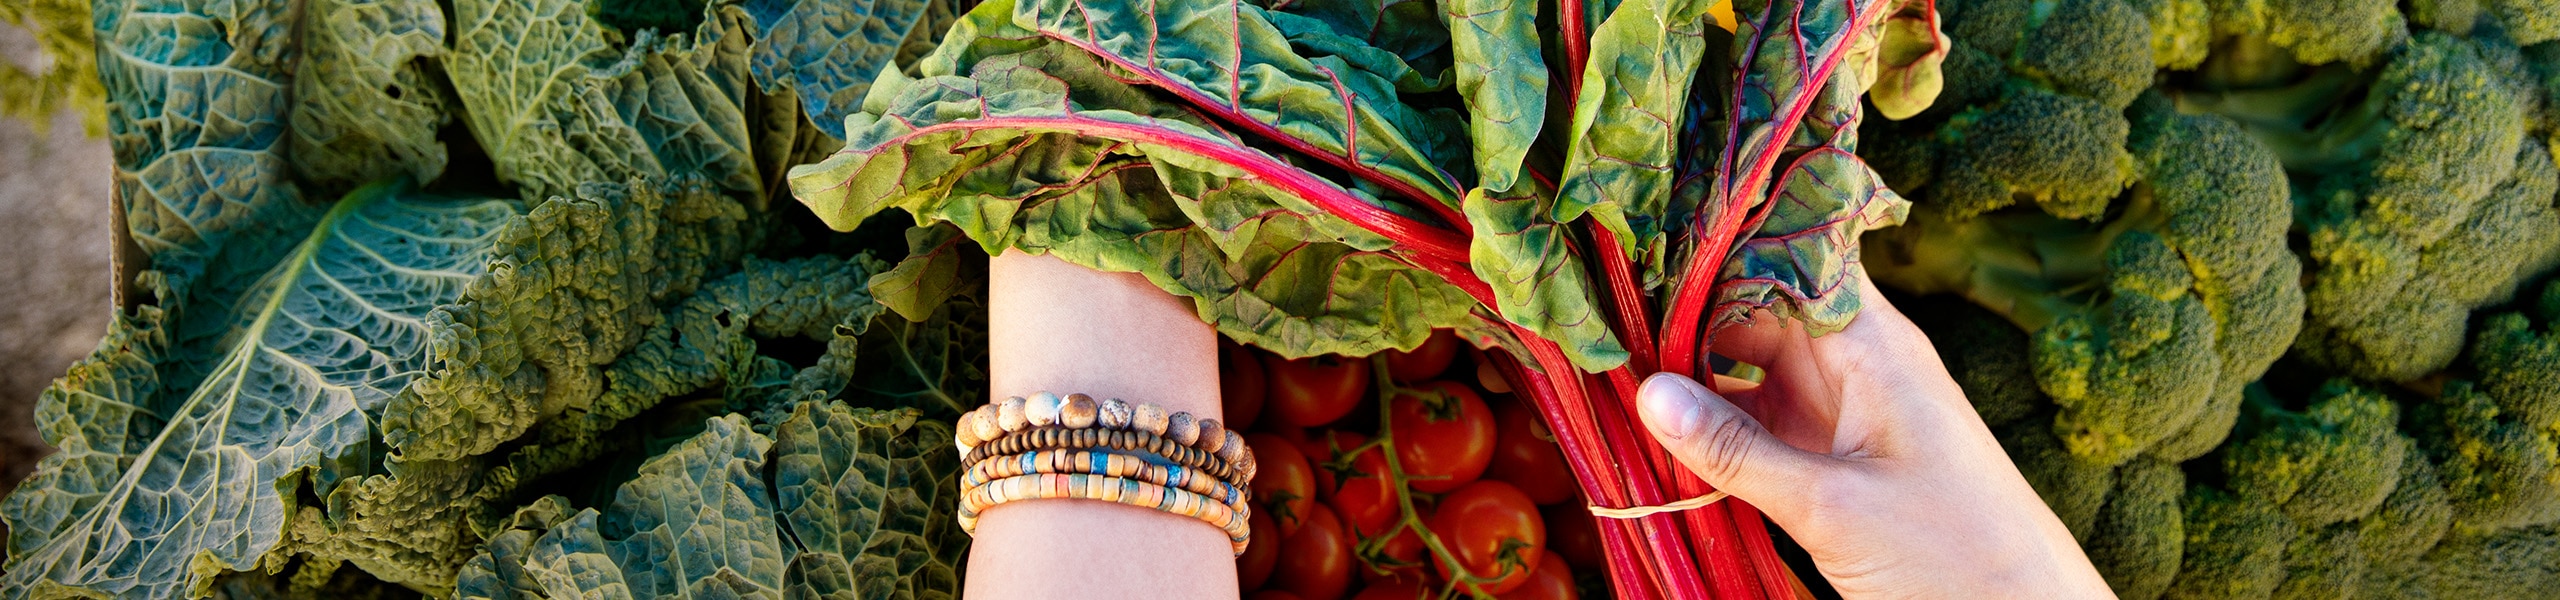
pixel 1115 414
pixel 1182 428
pixel 1078 411
pixel 966 432
pixel 985 423
pixel 1213 435
pixel 1041 409
pixel 1232 450
pixel 1010 414
pixel 1151 419
pixel 1245 466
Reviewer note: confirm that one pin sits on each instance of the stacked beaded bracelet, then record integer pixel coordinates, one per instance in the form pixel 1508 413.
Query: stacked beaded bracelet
pixel 1046 446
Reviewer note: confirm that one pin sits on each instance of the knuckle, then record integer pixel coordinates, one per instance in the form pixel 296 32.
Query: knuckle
pixel 1729 450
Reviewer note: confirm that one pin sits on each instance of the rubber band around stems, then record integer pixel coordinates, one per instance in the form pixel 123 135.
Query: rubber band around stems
pixel 1637 512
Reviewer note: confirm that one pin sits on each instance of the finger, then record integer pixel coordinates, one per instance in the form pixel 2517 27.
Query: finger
pixel 1725 446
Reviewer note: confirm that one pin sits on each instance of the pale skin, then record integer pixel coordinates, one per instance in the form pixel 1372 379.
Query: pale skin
pixel 1880 468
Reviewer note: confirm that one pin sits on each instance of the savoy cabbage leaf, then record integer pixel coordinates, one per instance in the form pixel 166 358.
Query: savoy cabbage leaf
pixel 365 106
pixel 858 502
pixel 830 51
pixel 329 336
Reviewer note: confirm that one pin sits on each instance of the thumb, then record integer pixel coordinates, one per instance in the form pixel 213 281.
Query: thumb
pixel 1725 446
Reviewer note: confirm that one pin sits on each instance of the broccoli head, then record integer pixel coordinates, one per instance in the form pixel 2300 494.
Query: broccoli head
pixel 2141 532
pixel 2518 363
pixel 2235 547
pixel 2181 31
pixel 2528 22
pixel 2422 198
pixel 2126 315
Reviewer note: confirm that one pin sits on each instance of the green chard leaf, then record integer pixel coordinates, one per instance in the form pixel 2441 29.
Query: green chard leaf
pixel 1505 85
pixel 1536 278
pixel 1817 197
pixel 1069 160
pixel 1620 163
pixel 1244 71
pixel 202 485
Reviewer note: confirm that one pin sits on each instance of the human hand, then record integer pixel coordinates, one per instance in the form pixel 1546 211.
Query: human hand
pixel 1862 447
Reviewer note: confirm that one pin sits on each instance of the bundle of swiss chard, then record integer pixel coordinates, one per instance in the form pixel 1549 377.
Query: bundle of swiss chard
pixel 1592 187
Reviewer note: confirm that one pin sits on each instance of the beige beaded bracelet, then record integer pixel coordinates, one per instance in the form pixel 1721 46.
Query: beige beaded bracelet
pixel 1052 438
pixel 1045 411
pixel 1233 520
pixel 1082 462
pixel 1078 411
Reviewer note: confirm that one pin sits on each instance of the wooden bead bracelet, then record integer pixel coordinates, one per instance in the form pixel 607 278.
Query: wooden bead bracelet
pixel 1231 519
pixel 1044 410
pixel 1082 462
pixel 1052 438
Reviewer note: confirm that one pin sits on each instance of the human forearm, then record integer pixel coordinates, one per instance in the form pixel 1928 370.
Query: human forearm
pixel 1062 328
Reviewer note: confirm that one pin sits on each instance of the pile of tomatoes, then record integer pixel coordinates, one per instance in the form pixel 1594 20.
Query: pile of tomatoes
pixel 1403 475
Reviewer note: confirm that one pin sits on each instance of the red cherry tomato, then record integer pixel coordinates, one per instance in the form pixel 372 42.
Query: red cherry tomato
pixel 1321 447
pixel 1241 385
pixel 1425 361
pixel 1493 531
pixel 1285 485
pixel 1308 392
pixel 1400 559
pixel 1572 532
pixel 1399 590
pixel 1367 498
pixel 1552 581
pixel 1260 554
pixel 1272 595
pixel 1525 458
pixel 1443 435
pixel 1315 562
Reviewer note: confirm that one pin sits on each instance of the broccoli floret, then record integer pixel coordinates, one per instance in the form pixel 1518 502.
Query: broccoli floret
pixel 2335 461
pixel 2181 31
pixel 2140 534
pixel 2498 471
pixel 2518 363
pixel 2125 315
pixel 2420 329
pixel 2032 111
pixel 2323 564
pixel 2523 563
pixel 2528 22
pixel 2410 522
pixel 2235 547
pixel 2316 31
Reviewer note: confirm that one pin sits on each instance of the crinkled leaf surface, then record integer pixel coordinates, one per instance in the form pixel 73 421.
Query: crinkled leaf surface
pixel 197 111
pixel 698 522
pixel 364 105
pixel 830 51
pixel 1536 278
pixel 860 502
pixel 868 498
pixel 1625 141
pixel 330 335
pixel 557 100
